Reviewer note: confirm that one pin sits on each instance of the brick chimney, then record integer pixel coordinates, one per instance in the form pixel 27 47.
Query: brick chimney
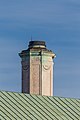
pixel 37 69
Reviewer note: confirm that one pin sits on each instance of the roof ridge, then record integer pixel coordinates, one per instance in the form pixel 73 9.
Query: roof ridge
pixel 40 95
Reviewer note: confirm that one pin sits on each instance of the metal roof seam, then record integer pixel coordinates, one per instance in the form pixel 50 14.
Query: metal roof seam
pixel 56 108
pixel 60 106
pixel 40 108
pixel 51 108
pixel 26 104
pixel 72 102
pixel 36 107
pixel 22 106
pixel 76 103
pixel 2 117
pixel 70 108
pixel 44 108
pixel 7 112
pixel 41 103
pixel 10 109
pixel 71 111
pixel 73 107
pixel 30 104
pixel 13 106
pixel 17 106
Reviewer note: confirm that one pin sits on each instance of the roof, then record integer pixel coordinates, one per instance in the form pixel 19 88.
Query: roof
pixel 35 107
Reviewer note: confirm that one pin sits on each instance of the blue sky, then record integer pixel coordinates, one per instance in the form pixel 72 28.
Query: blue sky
pixel 55 21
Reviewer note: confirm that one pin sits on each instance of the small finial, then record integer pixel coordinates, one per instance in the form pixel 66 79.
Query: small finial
pixel 31 37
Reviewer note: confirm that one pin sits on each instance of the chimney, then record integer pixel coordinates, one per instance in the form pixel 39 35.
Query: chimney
pixel 37 69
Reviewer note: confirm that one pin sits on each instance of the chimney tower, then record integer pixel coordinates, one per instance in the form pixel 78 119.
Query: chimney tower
pixel 37 69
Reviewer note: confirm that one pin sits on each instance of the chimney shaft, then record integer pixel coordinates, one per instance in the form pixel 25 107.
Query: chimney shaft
pixel 37 69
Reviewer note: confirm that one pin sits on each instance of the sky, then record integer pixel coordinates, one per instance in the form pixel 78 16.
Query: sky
pixel 57 22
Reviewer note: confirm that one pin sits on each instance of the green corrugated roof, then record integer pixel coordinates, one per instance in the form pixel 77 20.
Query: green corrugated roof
pixel 19 106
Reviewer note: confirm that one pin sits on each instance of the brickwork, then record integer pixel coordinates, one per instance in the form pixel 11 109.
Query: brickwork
pixel 25 76
pixel 47 73
pixel 35 75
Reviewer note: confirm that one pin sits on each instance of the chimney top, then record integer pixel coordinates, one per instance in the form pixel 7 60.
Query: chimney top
pixel 37 44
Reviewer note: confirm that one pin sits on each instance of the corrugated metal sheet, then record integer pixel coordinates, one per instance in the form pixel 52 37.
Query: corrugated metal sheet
pixel 19 106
